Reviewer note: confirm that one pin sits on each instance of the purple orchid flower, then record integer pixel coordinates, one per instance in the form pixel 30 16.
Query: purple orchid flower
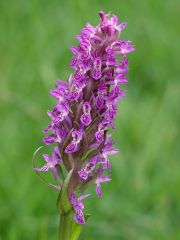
pixel 85 172
pixel 51 164
pixel 86 116
pixel 78 207
pixel 73 145
pixel 105 153
pixel 98 182
pixel 86 108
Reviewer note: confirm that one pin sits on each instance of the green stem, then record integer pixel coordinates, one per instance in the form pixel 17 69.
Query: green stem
pixel 65 227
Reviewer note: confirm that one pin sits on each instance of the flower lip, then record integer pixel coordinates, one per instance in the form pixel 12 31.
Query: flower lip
pixel 78 207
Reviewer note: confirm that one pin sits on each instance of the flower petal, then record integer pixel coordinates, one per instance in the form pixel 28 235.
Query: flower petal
pixel 45 168
pixel 98 190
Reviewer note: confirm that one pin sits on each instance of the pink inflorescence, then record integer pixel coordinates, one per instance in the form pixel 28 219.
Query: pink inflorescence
pixel 86 108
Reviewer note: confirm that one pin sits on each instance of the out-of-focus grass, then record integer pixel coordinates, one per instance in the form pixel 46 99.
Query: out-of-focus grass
pixel 142 201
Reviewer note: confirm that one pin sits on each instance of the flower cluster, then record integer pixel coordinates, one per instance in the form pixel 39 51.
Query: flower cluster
pixel 86 107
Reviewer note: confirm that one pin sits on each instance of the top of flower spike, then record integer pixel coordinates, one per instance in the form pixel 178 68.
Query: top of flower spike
pixel 86 106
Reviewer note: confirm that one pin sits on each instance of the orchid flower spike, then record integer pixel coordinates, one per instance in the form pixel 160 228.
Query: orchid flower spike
pixel 86 108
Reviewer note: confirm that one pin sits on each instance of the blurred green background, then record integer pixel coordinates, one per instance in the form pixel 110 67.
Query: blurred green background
pixel 143 199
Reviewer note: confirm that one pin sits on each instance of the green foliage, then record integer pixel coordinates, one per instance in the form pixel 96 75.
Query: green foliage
pixel 63 204
pixel 143 199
